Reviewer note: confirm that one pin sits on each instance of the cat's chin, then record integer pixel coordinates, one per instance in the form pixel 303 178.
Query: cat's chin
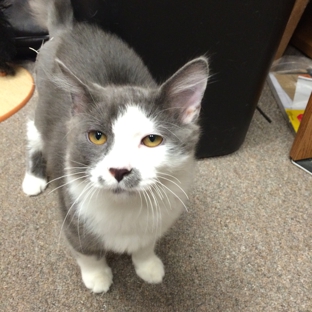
pixel 121 191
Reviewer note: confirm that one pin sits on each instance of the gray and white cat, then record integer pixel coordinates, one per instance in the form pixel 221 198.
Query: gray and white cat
pixel 119 147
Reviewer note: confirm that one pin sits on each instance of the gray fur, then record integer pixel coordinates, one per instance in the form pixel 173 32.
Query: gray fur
pixel 38 164
pixel 52 14
pixel 85 79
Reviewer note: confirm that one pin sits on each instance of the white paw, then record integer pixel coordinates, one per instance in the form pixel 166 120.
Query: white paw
pixel 33 185
pixel 151 271
pixel 98 280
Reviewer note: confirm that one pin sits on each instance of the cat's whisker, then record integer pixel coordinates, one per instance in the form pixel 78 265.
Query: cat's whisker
pixel 98 191
pixel 78 163
pixel 89 191
pixel 159 217
pixel 154 186
pixel 70 168
pixel 146 202
pixel 82 177
pixel 140 205
pixel 64 176
pixel 169 175
pixel 174 194
pixel 175 185
pixel 157 211
pixel 151 205
pixel 161 189
pixel 70 208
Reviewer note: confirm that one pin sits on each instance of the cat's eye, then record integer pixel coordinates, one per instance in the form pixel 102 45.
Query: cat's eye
pixel 152 140
pixel 97 137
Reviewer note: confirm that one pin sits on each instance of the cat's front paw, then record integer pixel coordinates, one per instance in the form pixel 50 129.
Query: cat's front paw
pixel 98 280
pixel 33 185
pixel 151 271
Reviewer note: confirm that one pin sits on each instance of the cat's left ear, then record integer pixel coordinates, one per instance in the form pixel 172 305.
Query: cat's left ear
pixel 79 91
pixel 184 91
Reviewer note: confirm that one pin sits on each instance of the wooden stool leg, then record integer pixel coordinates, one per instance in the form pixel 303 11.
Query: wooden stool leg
pixel 302 146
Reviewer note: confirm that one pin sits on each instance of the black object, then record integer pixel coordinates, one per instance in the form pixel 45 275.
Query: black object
pixel 28 34
pixel 7 43
pixel 304 164
pixel 240 37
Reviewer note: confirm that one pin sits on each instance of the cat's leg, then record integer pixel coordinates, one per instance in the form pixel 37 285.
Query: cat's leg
pixel 95 272
pixel 148 266
pixel 35 180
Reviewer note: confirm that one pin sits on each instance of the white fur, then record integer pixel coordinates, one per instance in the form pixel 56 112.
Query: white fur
pixel 132 222
pixel 148 266
pixel 151 271
pixel 33 185
pixel 137 155
pixel 96 274
pixel 125 222
pixel 35 142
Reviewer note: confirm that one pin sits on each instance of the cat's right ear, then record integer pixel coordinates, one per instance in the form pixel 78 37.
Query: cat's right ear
pixel 79 91
pixel 183 92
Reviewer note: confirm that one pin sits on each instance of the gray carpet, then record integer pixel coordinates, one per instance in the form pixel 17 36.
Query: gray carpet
pixel 244 245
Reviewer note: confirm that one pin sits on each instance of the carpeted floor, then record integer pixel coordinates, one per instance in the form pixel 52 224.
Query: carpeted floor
pixel 244 245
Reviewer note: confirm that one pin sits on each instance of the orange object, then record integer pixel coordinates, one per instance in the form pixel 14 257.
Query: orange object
pixel 15 92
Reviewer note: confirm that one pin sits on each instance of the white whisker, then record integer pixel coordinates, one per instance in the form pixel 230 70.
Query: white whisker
pixel 81 167
pixel 78 163
pixel 82 177
pixel 161 189
pixel 140 205
pixel 169 175
pixel 176 185
pixel 89 191
pixel 157 211
pixel 151 205
pixel 65 175
pixel 144 194
pixel 70 208
pixel 174 194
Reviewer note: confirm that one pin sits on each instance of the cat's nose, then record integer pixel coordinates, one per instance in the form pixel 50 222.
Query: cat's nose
pixel 119 174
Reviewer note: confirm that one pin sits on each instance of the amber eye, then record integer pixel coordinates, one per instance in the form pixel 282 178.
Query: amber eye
pixel 152 140
pixel 97 137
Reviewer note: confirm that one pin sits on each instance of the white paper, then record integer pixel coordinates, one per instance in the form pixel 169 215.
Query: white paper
pixel 302 93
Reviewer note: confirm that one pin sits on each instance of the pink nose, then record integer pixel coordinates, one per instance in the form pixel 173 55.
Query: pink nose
pixel 119 174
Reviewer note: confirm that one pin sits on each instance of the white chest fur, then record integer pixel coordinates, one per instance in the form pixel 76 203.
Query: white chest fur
pixel 133 218
pixel 126 223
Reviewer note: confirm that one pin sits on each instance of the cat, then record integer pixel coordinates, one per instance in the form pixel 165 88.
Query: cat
pixel 118 146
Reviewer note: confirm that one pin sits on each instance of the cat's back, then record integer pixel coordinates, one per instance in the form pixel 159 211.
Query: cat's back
pixel 97 56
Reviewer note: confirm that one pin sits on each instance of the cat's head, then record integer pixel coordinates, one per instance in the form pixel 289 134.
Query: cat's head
pixel 127 138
